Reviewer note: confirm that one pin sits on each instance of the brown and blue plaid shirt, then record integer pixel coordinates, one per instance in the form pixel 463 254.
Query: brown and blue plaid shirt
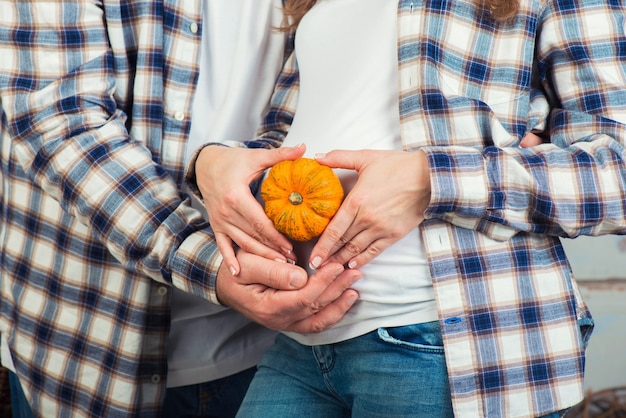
pixel 96 98
pixel 514 325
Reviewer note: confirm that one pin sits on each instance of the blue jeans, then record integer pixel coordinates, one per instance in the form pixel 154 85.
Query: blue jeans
pixel 219 398
pixel 390 372
pixel 19 405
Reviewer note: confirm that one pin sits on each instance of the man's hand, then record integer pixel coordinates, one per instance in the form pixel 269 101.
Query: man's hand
pixel 387 201
pixel 279 295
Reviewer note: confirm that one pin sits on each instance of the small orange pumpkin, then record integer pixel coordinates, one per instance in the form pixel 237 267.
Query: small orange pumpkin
pixel 301 197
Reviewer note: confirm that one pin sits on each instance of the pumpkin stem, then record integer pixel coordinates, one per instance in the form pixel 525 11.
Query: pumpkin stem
pixel 295 198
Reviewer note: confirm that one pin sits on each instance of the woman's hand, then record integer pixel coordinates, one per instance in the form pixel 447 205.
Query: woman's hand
pixel 388 200
pixel 223 176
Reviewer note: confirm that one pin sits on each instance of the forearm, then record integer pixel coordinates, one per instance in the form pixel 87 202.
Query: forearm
pixel 69 136
pixel 561 191
pixel 576 183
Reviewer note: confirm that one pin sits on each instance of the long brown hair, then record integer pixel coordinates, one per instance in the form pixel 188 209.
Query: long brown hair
pixel 294 10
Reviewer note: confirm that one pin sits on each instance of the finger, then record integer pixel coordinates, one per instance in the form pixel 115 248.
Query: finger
pixel 276 155
pixel 254 246
pixel 269 273
pixel 245 236
pixel 327 317
pixel 259 226
pixel 246 220
pixel 225 245
pixel 336 288
pixel 247 213
pixel 349 251
pixel 283 310
pixel 322 288
pixel 334 237
pixel 350 160
pixel 355 256
pixel 363 247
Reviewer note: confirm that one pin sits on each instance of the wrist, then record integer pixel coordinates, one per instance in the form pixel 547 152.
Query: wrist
pixel 424 176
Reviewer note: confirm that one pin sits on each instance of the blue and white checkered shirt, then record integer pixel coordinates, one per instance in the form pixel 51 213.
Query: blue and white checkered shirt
pixel 96 98
pixel 514 325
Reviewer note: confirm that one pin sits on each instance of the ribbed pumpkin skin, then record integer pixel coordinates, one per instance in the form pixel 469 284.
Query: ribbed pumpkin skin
pixel 321 193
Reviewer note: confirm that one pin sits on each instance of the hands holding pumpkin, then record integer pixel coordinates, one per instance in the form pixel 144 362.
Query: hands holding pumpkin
pixel 367 223
pixel 277 295
pixel 223 175
pixel 388 200
pixel 281 297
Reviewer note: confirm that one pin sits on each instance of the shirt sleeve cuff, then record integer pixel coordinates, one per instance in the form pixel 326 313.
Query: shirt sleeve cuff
pixel 459 185
pixel 195 266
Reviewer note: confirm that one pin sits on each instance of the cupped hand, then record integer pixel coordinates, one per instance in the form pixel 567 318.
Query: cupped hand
pixel 388 200
pixel 281 297
pixel 223 176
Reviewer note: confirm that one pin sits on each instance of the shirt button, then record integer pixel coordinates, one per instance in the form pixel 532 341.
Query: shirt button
pixel 179 116
pixel 193 27
pixel 162 290
pixel 155 378
pixel 453 320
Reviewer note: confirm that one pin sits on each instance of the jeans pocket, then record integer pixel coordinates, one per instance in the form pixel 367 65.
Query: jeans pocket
pixel 424 337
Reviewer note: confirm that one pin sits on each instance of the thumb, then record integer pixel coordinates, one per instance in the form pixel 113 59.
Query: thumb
pixel 269 273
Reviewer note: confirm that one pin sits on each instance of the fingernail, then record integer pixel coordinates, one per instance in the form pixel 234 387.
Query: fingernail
pixel 296 279
pixel 280 260
pixel 233 270
pixel 315 263
pixel 286 250
pixel 320 155
pixel 352 264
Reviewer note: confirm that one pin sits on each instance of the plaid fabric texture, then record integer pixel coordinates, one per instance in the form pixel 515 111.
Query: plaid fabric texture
pixel 96 99
pixel 97 133
pixel 514 325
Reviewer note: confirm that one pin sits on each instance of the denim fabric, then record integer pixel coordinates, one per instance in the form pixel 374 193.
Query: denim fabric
pixel 19 405
pixel 219 398
pixel 390 372
pixel 222 397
